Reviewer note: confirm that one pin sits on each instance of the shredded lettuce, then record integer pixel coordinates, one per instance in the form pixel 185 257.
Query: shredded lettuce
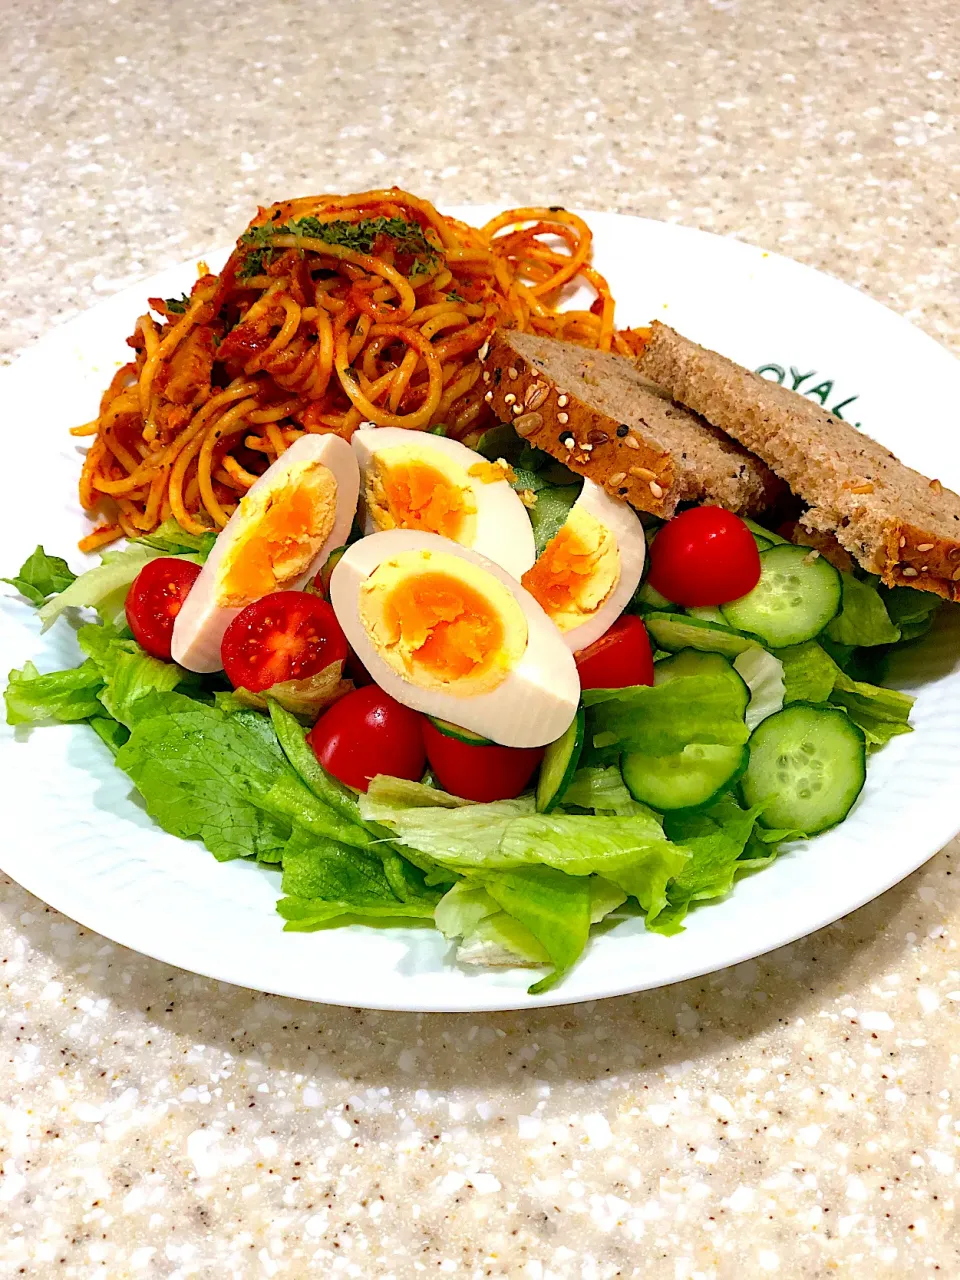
pixel 863 618
pixel 763 674
pixel 42 575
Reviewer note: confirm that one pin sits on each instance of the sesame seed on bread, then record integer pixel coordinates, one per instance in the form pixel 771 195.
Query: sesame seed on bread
pixel 894 521
pixel 596 413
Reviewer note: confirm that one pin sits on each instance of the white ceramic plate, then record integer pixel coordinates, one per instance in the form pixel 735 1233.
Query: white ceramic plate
pixel 76 836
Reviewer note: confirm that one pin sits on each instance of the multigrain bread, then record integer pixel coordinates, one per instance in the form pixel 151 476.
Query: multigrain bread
pixel 893 521
pixel 597 414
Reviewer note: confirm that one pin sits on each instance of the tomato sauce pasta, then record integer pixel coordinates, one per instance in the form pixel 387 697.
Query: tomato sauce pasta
pixel 331 311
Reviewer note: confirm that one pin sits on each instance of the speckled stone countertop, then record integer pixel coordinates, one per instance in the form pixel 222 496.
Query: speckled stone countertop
pixel 798 1115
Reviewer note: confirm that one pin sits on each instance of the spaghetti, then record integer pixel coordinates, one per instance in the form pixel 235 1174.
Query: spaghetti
pixel 331 311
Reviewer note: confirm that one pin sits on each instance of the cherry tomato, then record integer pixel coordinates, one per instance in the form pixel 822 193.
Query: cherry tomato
pixel 155 599
pixel 289 635
pixel 620 657
pixel 365 733
pixel 704 556
pixel 478 772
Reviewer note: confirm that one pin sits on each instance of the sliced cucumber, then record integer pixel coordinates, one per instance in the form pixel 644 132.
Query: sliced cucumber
pixel 706 613
pixel 676 631
pixel 647 598
pixel 462 735
pixel 762 535
pixel 685 780
pixel 808 763
pixel 690 662
pixel 559 764
pixel 794 600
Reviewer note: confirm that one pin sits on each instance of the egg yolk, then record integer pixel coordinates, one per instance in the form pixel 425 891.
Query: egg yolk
pixel 577 571
pixel 443 624
pixel 405 491
pixel 450 629
pixel 281 532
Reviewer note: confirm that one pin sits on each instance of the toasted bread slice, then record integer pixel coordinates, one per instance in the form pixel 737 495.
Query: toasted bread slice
pixel 597 414
pixel 894 521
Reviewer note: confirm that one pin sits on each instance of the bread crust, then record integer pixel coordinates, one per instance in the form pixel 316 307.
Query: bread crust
pixel 618 456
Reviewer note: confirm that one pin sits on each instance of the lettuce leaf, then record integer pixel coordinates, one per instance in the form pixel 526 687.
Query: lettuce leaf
pixel 553 907
pixel 293 742
pixel 912 611
pixel 172 540
pixel 809 673
pixel 863 618
pixel 42 575
pixel 464 836
pixel 550 511
pixel 600 789
pixel 67 696
pixel 324 879
pixel 663 719
pixel 486 934
pixel 206 775
pixel 111 732
pixel 632 852
pixel 881 713
pixel 763 674
pixel 128 671
pixel 103 588
pixel 716 837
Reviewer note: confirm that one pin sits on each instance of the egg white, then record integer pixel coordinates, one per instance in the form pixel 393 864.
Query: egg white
pixel 502 529
pixel 536 700
pixel 200 624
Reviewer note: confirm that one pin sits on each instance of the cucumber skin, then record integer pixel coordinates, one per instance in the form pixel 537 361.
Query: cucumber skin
pixel 451 730
pixel 544 802
pixel 826 709
pixel 726 640
pixel 727 783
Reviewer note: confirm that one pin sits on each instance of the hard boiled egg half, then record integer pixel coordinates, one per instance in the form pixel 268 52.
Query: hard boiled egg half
pixel 413 480
pixel 589 570
pixel 285 526
pixel 447 631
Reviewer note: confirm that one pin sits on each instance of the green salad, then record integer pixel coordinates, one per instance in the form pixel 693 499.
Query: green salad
pixel 755 732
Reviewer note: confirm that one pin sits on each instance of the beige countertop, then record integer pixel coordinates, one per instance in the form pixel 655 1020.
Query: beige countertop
pixel 797 1115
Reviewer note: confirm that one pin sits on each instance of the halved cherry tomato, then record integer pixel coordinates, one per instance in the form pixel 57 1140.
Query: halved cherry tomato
pixel 289 635
pixel 155 599
pixel 620 657
pixel 704 556
pixel 365 733
pixel 478 772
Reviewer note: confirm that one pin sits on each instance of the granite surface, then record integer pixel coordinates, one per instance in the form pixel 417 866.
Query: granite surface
pixel 798 1115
